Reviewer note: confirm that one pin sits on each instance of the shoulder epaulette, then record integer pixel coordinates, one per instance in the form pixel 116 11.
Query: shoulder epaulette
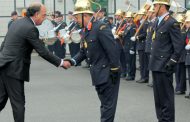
pixel 102 27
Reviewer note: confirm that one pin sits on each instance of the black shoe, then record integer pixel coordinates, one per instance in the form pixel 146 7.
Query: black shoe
pixel 150 85
pixel 187 96
pixel 142 81
pixel 130 78
pixel 179 92
pixel 122 75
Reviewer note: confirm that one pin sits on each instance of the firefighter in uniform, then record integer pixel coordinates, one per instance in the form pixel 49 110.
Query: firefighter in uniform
pixel 140 46
pixel 100 50
pixel 166 50
pixel 148 42
pixel 119 15
pixel 180 74
pixel 130 46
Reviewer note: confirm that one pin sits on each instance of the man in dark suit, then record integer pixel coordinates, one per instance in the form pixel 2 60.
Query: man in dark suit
pixel 100 50
pixel 15 57
pixel 166 50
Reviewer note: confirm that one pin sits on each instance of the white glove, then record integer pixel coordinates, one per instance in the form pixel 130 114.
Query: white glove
pixel 66 36
pixel 131 52
pixel 133 38
pixel 116 36
pixel 187 47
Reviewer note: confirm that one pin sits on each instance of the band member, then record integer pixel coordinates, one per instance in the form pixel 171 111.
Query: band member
pixel 15 54
pixel 166 50
pixel 100 50
pixel 148 42
pixel 121 21
pixel 140 46
pixel 130 46
pixel 180 74
pixel 73 47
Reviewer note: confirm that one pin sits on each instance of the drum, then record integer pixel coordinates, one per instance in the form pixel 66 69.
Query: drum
pixel 47 33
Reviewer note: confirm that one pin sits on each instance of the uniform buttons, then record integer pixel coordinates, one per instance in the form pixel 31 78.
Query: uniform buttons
pixel 103 65
pixel 86 51
pixel 90 65
pixel 161 56
pixel 88 58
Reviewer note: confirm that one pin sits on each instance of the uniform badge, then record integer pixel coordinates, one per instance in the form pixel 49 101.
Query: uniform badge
pixel 154 36
pixel 85 44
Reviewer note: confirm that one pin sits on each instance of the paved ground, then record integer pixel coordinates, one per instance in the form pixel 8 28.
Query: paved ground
pixel 56 95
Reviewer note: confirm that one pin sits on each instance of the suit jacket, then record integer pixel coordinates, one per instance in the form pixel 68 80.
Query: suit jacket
pixel 100 50
pixel 166 45
pixel 15 54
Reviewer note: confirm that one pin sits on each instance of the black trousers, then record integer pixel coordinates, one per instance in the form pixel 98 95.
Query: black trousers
pixel 59 49
pixel 74 48
pixel 164 96
pixel 131 67
pixel 123 62
pixel 14 90
pixel 143 61
pixel 180 76
pixel 108 95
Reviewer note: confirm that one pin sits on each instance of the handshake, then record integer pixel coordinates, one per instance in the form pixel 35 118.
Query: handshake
pixel 67 63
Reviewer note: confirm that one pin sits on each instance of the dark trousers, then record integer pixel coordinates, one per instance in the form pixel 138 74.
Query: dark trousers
pixel 164 96
pixel 14 90
pixel 188 70
pixel 131 64
pixel 59 49
pixel 74 48
pixel 108 95
pixel 123 62
pixel 180 76
pixel 143 61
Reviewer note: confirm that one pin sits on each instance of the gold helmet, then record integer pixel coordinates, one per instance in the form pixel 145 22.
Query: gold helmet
pixel 180 18
pixel 141 12
pixel 129 14
pixel 187 13
pixel 83 6
pixel 187 19
pixel 165 2
pixel 120 12
pixel 151 9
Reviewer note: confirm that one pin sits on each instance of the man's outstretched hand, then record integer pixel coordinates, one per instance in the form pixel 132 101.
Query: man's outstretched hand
pixel 66 64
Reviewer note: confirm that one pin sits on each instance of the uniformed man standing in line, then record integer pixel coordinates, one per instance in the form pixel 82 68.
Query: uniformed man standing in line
pixel 166 49
pixel 130 46
pixel 148 42
pixel 180 74
pixel 119 15
pixel 100 50
pixel 140 46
